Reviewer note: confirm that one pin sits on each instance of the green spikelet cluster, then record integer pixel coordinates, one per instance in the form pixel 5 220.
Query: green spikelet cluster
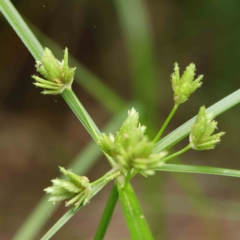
pixel 75 189
pixel 201 136
pixel 130 148
pixel 57 75
pixel 184 86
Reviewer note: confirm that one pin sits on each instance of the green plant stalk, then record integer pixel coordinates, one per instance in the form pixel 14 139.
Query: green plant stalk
pixel 183 131
pixel 109 176
pixel 73 102
pixel 199 169
pixel 177 153
pixel 127 178
pixel 136 222
pixel 166 123
pixel 107 214
pixel 70 213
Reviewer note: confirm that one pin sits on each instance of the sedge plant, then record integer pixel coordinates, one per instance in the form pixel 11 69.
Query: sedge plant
pixel 129 151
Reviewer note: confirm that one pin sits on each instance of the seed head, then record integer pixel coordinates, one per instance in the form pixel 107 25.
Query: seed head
pixel 201 136
pixel 131 148
pixel 183 87
pixel 75 189
pixel 57 75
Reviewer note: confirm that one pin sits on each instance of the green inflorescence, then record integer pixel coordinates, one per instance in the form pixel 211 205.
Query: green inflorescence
pixel 75 189
pixel 131 148
pixel 57 75
pixel 201 136
pixel 185 85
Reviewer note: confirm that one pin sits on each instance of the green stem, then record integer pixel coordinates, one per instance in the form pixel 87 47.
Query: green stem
pixel 136 222
pixel 107 214
pixel 166 123
pixel 127 178
pixel 76 106
pixel 177 153
pixel 113 173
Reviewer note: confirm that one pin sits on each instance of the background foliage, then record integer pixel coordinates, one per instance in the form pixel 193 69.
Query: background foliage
pixel 39 133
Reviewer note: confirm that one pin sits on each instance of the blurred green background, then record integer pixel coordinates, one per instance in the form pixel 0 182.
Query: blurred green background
pixel 131 46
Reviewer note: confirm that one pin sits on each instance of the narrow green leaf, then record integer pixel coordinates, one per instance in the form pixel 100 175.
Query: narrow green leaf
pixel 136 222
pixel 199 169
pixel 181 132
pixel 107 214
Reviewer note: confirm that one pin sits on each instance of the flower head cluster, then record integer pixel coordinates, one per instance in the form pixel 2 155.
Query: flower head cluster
pixel 130 148
pixel 185 85
pixel 201 137
pixel 57 75
pixel 75 189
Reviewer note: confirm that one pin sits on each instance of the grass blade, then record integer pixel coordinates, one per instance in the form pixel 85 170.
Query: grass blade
pixel 199 169
pixel 107 214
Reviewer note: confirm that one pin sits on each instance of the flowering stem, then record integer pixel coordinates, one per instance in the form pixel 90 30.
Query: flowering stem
pixel 166 123
pixel 107 214
pixel 177 153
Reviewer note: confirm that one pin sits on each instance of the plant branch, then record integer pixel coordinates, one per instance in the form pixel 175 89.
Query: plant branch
pixel 177 153
pixel 166 123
